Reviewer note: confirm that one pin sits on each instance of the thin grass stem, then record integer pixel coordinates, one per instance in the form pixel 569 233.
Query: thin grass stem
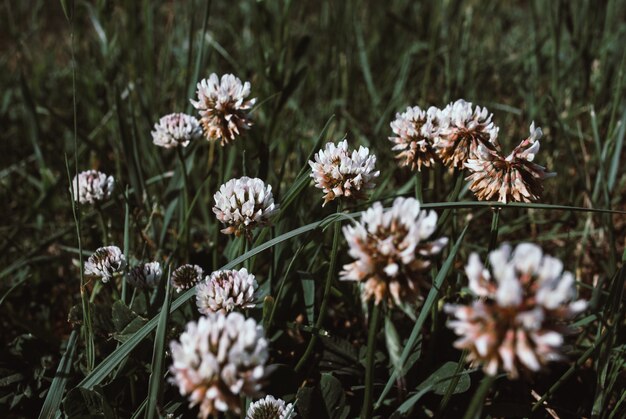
pixel 369 363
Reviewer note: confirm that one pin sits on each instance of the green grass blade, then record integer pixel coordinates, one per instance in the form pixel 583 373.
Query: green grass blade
pixel 615 161
pixel 55 393
pixel 158 357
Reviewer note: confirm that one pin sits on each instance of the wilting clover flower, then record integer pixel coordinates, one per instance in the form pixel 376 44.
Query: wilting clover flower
pixel 243 204
pixel 186 276
pixel 105 262
pixel 91 187
pixel 339 172
pixel 176 129
pixel 270 408
pixel 226 291
pixel 218 359
pixel 519 320
pixel 393 250
pixel 414 131
pixel 145 275
pixel 511 178
pixel 223 107
pixel 462 129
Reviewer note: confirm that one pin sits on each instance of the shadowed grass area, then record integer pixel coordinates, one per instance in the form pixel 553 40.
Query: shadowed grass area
pixel 320 70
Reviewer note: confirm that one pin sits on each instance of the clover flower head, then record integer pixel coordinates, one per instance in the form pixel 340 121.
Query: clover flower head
pixel 105 262
pixel 520 318
pixel 186 276
pixel 270 408
pixel 243 204
pixel 226 291
pixel 511 178
pixel 92 187
pixel 218 359
pixel 462 129
pixel 414 132
pixel 176 129
pixel 393 251
pixel 145 275
pixel 223 107
pixel 341 173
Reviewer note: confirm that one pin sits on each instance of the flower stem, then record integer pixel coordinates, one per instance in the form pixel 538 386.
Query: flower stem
pixel 327 286
pixel 493 238
pixel 103 226
pixel 369 365
pixel 476 405
pixel 185 205
pixel 87 327
pixel 418 186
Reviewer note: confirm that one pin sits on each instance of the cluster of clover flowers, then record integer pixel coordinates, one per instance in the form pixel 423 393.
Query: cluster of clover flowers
pixel 523 300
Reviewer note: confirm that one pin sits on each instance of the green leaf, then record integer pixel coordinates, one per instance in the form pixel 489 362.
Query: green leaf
pixel 334 396
pixel 394 347
pixel 438 383
pixel 439 380
pixel 122 316
pixel 126 321
pixel 81 403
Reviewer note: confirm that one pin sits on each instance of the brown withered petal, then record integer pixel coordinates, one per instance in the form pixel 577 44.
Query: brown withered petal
pixel 511 178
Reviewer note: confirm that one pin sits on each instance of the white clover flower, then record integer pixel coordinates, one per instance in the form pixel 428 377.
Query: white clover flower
pixel 223 107
pixel 218 359
pixel 243 204
pixel 270 408
pixel 226 291
pixel 393 251
pixel 339 172
pixel 186 276
pixel 176 129
pixel 520 320
pixel 511 178
pixel 91 187
pixel 462 128
pixel 414 132
pixel 105 262
pixel 145 275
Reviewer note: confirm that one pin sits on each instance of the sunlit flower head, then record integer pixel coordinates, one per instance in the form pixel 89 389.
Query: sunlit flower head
pixel 105 262
pixel 414 131
pixel 339 172
pixel 145 275
pixel 219 359
pixel 520 316
pixel 243 204
pixel 176 129
pixel 393 250
pixel 270 408
pixel 511 178
pixel 186 276
pixel 223 107
pixel 91 187
pixel 226 291
pixel 462 128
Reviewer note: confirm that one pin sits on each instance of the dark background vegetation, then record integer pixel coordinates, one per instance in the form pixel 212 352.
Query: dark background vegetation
pixel 559 63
